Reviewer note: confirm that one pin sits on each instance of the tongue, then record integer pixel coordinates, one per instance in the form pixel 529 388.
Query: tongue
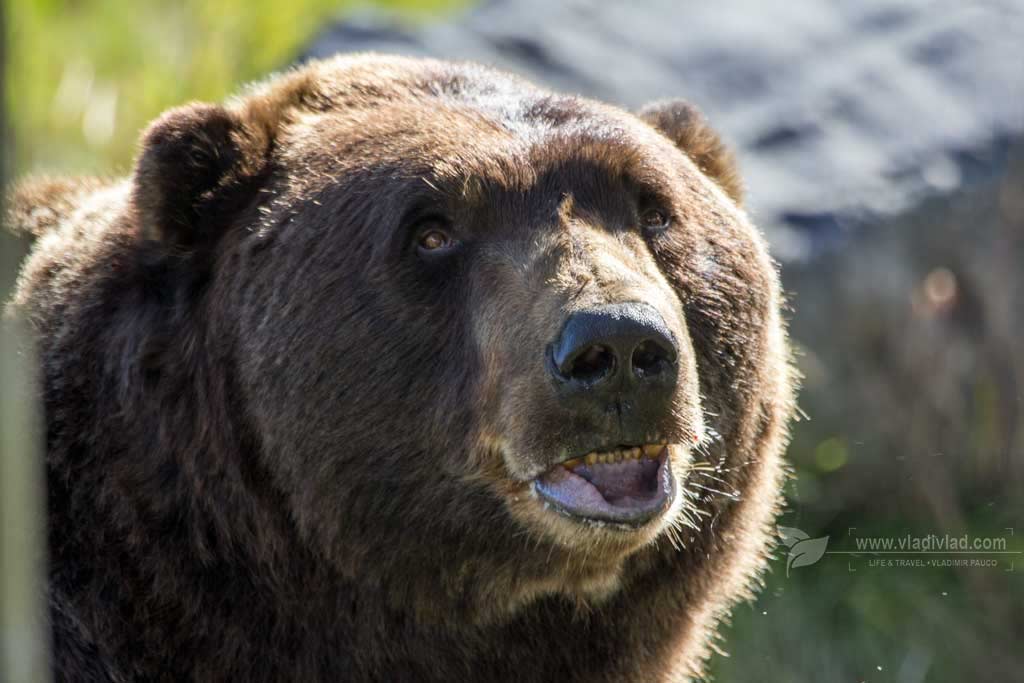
pixel 628 492
pixel 623 484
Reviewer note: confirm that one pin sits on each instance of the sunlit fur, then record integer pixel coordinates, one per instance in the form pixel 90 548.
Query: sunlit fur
pixel 280 446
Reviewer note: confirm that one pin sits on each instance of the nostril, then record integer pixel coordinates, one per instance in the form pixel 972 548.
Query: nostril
pixel 594 363
pixel 650 359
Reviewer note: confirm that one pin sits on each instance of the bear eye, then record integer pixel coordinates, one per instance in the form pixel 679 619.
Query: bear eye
pixel 654 220
pixel 434 239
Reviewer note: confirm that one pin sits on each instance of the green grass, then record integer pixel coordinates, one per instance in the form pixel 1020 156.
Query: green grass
pixel 843 619
pixel 85 76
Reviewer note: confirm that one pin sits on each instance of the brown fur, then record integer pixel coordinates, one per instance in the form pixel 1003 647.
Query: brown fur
pixel 280 447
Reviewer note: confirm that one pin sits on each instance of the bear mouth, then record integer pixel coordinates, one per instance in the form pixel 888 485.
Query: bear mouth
pixel 626 486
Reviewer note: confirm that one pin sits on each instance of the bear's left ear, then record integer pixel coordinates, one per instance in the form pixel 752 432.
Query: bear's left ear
pixel 686 127
pixel 196 162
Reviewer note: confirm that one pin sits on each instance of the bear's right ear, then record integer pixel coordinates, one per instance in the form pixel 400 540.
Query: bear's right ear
pixel 195 162
pixel 686 127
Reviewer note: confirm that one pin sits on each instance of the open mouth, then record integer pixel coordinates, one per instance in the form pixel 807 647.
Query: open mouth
pixel 628 485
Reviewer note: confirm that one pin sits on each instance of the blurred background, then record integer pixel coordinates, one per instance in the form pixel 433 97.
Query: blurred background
pixel 883 147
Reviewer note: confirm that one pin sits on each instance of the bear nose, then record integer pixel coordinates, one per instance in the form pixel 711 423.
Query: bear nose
pixel 620 348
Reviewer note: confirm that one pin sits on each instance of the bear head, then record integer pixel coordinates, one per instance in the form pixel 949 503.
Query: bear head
pixel 489 343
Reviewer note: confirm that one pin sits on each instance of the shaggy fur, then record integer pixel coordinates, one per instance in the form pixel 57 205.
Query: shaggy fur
pixel 283 445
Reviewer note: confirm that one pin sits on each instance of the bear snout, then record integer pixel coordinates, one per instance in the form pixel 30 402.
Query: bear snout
pixel 615 355
pixel 615 366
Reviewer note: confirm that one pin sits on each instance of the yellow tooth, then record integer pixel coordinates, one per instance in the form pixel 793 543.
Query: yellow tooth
pixel 604 457
pixel 652 450
pixel 617 456
pixel 635 452
pixel 591 458
pixel 569 464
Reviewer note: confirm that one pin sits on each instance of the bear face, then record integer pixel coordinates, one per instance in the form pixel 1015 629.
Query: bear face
pixel 538 203
pixel 480 346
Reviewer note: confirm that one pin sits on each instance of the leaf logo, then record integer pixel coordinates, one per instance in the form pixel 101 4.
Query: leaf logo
pixel 803 550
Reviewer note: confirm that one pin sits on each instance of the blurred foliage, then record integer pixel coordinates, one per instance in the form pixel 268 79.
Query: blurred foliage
pixel 913 372
pixel 85 76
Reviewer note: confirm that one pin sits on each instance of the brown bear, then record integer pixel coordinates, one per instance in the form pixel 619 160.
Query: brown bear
pixel 403 370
